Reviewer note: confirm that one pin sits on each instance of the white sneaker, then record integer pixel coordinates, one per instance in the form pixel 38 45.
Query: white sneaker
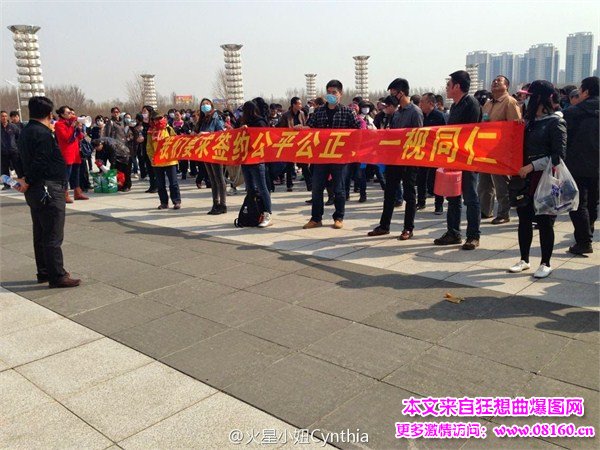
pixel 266 222
pixel 520 267
pixel 134 176
pixel 543 271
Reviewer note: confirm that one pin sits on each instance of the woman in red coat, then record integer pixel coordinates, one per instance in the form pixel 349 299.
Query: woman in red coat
pixel 69 132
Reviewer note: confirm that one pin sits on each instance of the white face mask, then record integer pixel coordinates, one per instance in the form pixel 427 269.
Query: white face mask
pixel 311 110
pixel 365 111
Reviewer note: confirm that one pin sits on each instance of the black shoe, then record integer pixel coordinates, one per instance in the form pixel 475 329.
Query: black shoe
pixel 470 244
pixel 485 216
pixel 6 187
pixel 330 201
pixel 214 211
pixel 221 209
pixel 152 191
pixel 362 199
pixel 439 211
pixel 448 239
pixel 399 204
pixel 290 189
pixel 308 202
pixel 500 220
pixel 421 206
pixel 580 249
pixel 347 197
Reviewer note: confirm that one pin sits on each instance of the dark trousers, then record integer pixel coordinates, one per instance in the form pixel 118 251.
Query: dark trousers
pixel 141 156
pixel 84 175
pixel 12 159
pixel 320 172
pixel 162 173
pixel 290 172
pixel 126 169
pixel 425 183
pixel 307 174
pixel 393 176
pixel 351 175
pixel 151 173
pixel 546 227
pixel 255 179
pixel 202 174
pixel 72 173
pixel 48 228
pixel 469 194
pixel 586 214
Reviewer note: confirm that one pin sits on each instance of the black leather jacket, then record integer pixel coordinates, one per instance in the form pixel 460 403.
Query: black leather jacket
pixel 545 137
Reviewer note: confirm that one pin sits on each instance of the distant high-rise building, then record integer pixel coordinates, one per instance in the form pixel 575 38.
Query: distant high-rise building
pixel 598 62
pixel 519 72
pixel 482 59
pixel 561 76
pixel 579 57
pixel 501 64
pixel 542 62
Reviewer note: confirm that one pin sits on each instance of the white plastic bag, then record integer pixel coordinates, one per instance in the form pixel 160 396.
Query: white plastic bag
pixel 556 193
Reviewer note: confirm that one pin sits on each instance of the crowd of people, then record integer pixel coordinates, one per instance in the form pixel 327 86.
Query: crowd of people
pixel 559 125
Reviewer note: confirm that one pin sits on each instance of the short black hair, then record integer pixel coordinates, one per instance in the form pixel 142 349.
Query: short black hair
pixel 439 99
pixel 62 110
pixel 337 84
pixel 590 84
pixel 416 99
pixel 3 112
pixel 429 97
pixel 40 107
pixel 390 100
pixel 96 143
pixel 357 99
pixel 401 85
pixel 293 101
pixel 462 78
pixel 14 114
pixel 112 110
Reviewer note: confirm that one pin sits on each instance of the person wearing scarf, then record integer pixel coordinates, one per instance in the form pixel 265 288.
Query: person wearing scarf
pixel 158 131
pixel 69 133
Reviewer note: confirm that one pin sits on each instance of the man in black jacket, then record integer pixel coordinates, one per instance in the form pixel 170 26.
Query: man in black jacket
pixel 582 161
pixel 10 154
pixel 465 109
pixel 44 187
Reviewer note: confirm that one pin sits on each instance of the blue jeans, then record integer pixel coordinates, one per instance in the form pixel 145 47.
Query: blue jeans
pixel 255 178
pixel 162 173
pixel 469 193
pixel 72 174
pixel 320 172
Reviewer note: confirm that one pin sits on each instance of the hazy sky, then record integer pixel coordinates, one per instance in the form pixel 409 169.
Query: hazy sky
pixel 99 46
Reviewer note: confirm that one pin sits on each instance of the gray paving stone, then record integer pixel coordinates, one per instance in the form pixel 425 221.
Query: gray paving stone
pixel 370 351
pixel 205 265
pixel 375 411
pixel 125 314
pixel 540 386
pixel 292 288
pixel 168 334
pixel 37 342
pixel 339 272
pixel 300 389
pixel 207 425
pixel 519 347
pixel 86 297
pixel 161 258
pixel 244 276
pixel 19 395
pixel 189 292
pixel 148 280
pixel 294 327
pixel 222 359
pixel 127 404
pixel 578 363
pixel 67 373
pixel 545 316
pixel 235 309
pixel 351 304
pixel 440 372
pixel 285 261
pixel 420 322
pixel 45 427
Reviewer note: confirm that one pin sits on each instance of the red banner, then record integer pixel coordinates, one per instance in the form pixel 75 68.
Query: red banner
pixel 489 147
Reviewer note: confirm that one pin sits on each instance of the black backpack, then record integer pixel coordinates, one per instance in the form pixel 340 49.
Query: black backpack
pixel 251 212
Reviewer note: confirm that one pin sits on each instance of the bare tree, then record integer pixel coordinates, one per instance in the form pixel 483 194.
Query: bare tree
pixel 69 95
pixel 8 98
pixel 135 92
pixel 220 84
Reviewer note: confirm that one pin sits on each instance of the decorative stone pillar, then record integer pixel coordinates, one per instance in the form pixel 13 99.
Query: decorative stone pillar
pixel 149 90
pixel 311 85
pixel 361 75
pixel 233 72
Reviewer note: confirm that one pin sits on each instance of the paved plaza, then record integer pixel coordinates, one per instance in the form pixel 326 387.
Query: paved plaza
pixel 186 329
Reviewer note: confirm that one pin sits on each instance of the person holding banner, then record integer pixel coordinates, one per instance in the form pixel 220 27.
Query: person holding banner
pixel 157 132
pixel 465 109
pixel 332 115
pixel 545 143
pixel 209 122
pixel 408 115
